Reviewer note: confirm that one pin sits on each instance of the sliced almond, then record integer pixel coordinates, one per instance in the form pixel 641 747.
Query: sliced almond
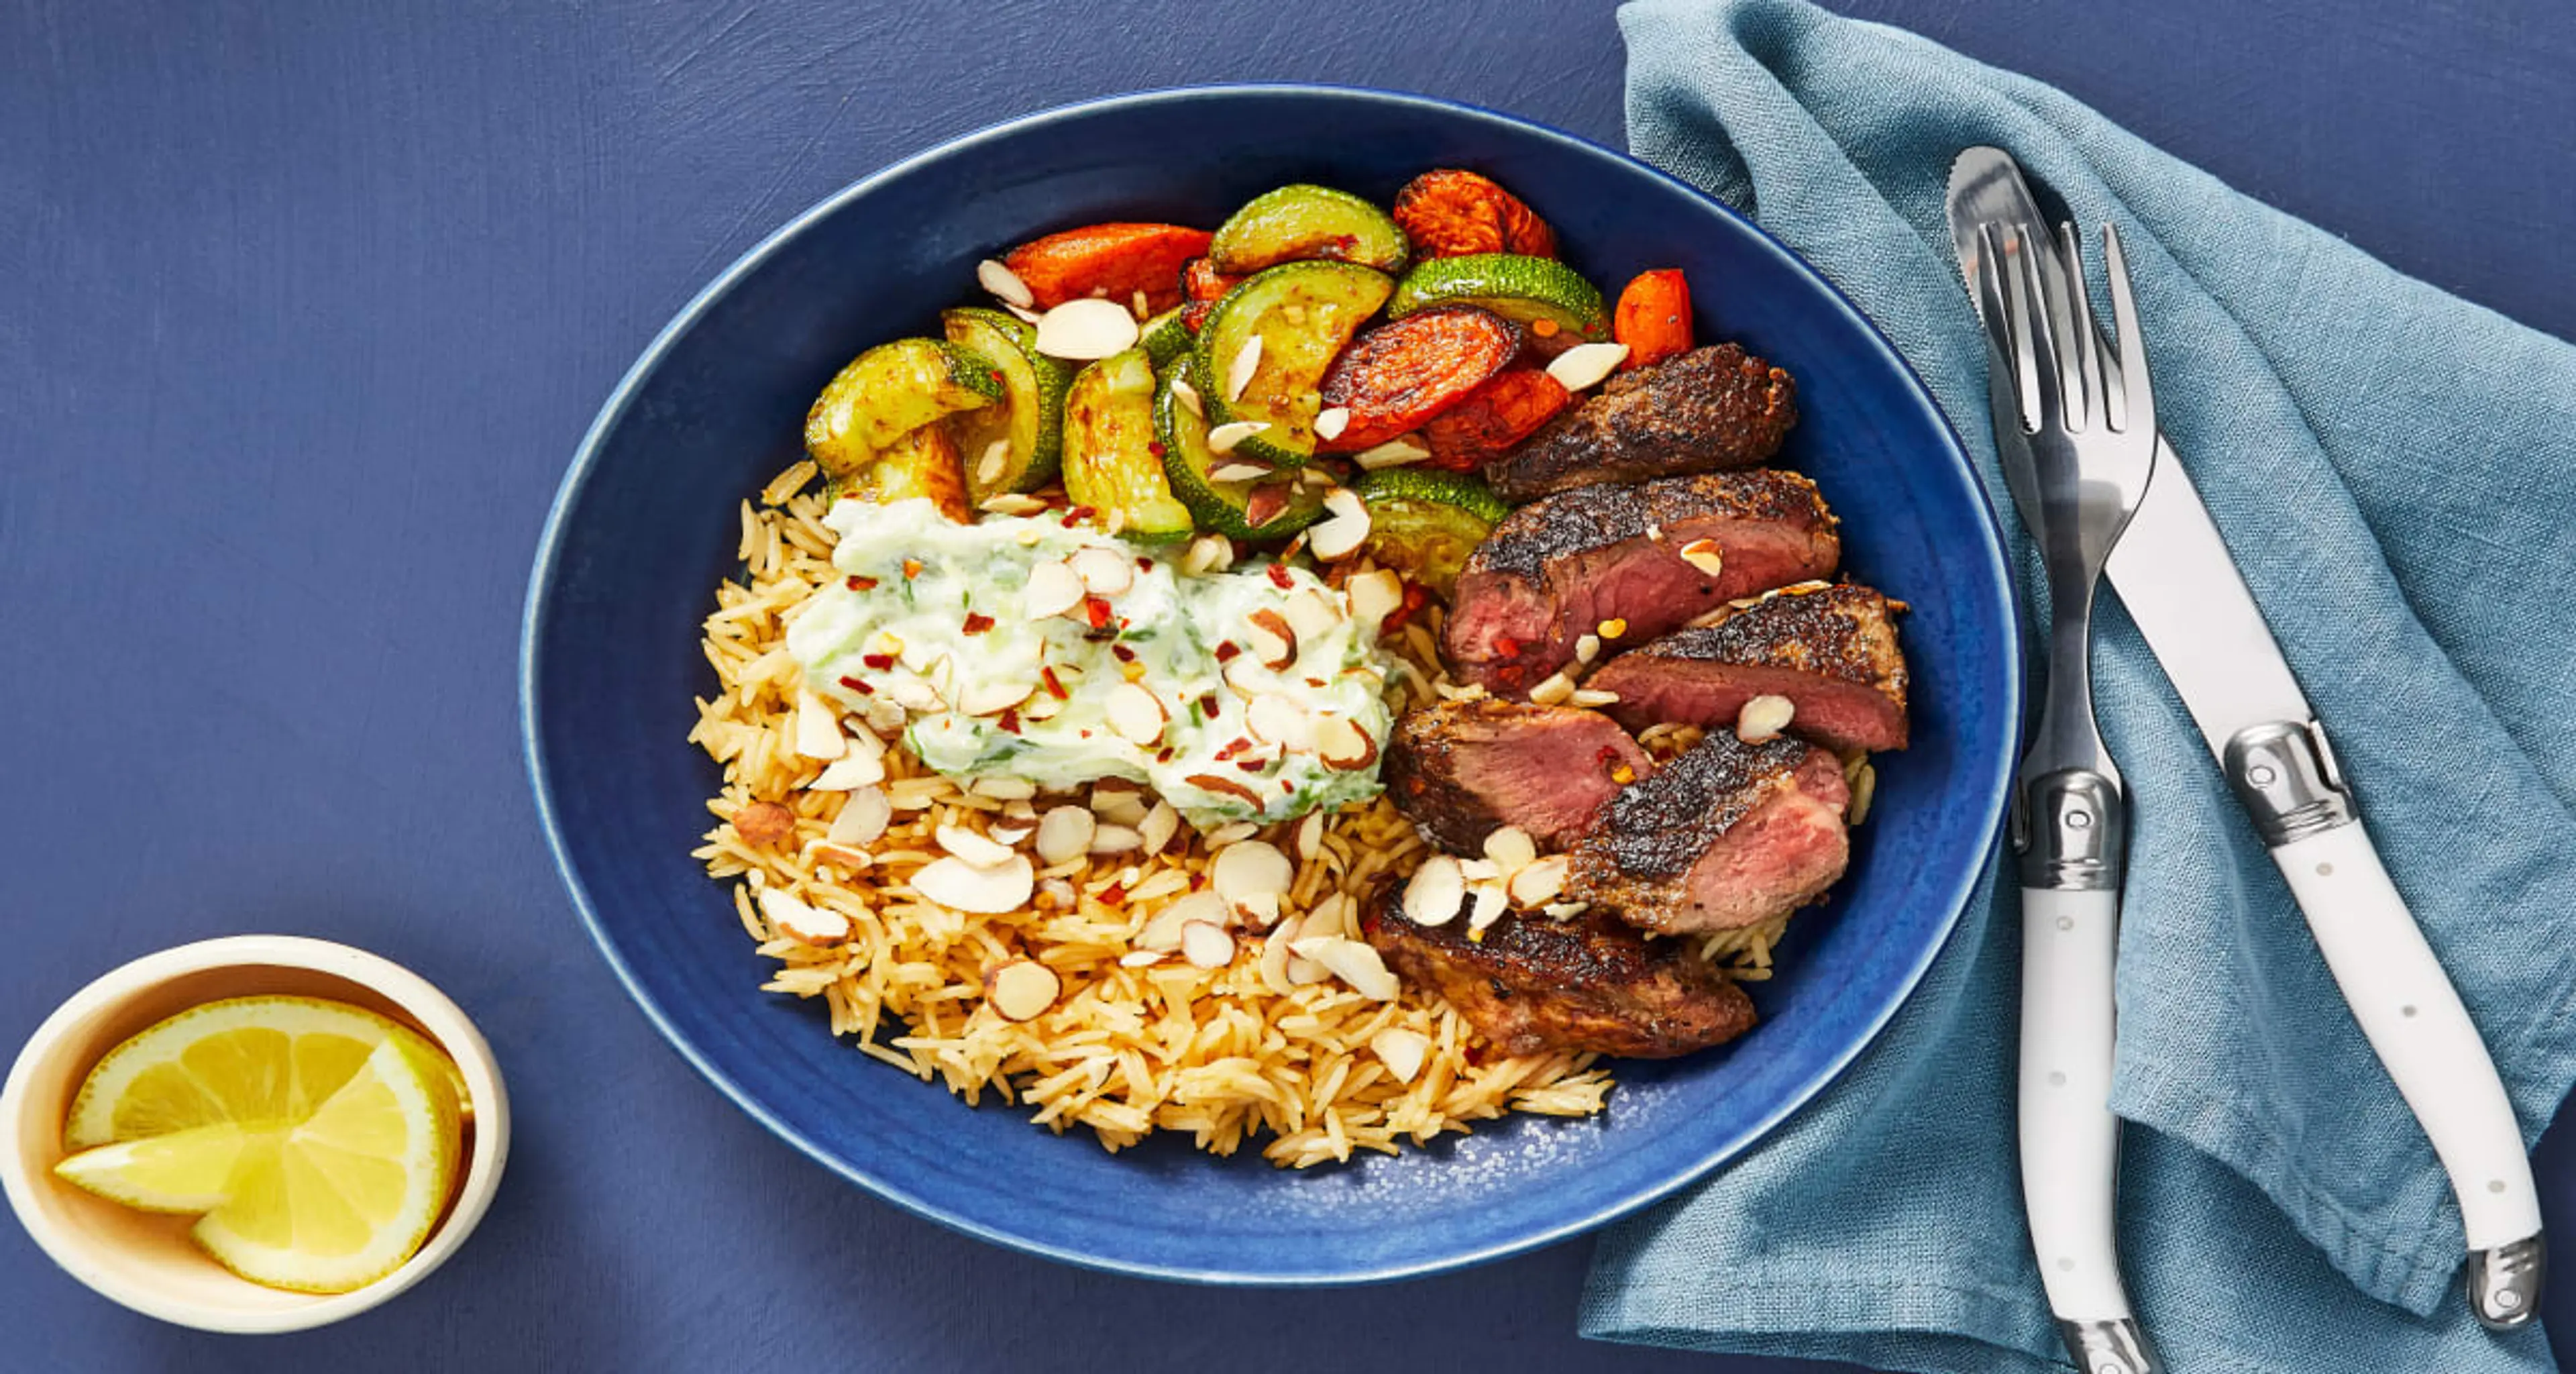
pixel 1064 833
pixel 1263 504
pixel 1435 892
pixel 1135 714
pixel 1312 613
pixel 1158 827
pixel 1586 365
pixel 1566 911
pixel 1275 719
pixel 1024 313
pixel 818 728
pixel 1344 744
pixel 1104 572
pixel 987 890
pixel 1053 589
pixel 1394 453
pixel 1539 881
pixel 1374 595
pixel 1139 958
pixel 1115 839
pixel 1205 945
pixel 1208 553
pixel 1001 788
pixel 1188 396
pixel 1010 834
pixel 1354 963
pixel 913 694
pixel 1510 849
pixel 988 469
pixel 1011 503
pixel 1273 639
pixel 1118 801
pixel 1005 284
pixel 975 849
pixel 853 770
pixel 1232 832
pixel 1238 373
pixel 1342 535
pixel 1488 906
pixel 1022 989
pixel 1705 555
pixel 1239 472
pixel 863 818
pixel 1763 718
pixel 1163 933
pixel 1587 648
pixel 1224 437
pixel 1086 330
pixel 1401 1050
pixel 1592 698
pixel 1309 844
pixel 1242 871
pixel 1554 691
pixel 992 696
pixel 1331 421
pixel 804 924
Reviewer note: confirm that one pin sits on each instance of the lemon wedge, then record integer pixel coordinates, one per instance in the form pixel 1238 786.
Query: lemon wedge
pixel 319 1141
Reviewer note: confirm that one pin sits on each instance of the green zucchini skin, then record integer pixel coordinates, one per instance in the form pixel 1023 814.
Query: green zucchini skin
pixel 1187 461
pixel 1304 222
pixel 1423 522
pixel 890 391
pixel 1304 313
pixel 1524 290
pixel 1109 459
pixel 1029 417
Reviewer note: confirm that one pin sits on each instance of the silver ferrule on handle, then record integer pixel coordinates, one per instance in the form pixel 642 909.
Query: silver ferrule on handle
pixel 2070 828
pixel 2504 1283
pixel 2285 775
pixel 2111 1347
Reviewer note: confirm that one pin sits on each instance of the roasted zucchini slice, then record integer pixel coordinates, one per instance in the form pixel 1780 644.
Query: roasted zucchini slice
pixel 1301 315
pixel 1559 306
pixel 1300 223
pixel 1027 423
pixel 1285 504
pixel 1109 459
pixel 890 391
pixel 1424 522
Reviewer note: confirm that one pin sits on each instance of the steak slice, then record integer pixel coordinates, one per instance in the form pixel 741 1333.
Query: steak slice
pixel 1586 984
pixel 1555 569
pixel 1727 835
pixel 1831 650
pixel 1460 769
pixel 1707 410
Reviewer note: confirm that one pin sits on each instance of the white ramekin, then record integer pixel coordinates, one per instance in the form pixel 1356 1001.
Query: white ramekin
pixel 145 1261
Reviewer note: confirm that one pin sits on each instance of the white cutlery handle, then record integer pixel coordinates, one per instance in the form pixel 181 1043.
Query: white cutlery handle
pixel 2070 1141
pixel 2414 1021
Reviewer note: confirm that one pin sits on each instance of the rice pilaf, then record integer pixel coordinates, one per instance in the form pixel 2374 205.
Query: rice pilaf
pixel 1264 1043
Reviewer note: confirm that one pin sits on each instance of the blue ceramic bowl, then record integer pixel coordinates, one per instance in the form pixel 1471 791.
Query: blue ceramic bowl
pixel 644 527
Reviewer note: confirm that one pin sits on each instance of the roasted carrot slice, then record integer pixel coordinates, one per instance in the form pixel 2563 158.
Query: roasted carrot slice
pixel 1112 260
pixel 1654 317
pixel 1448 213
pixel 1200 281
pixel 1505 410
pixel 1396 376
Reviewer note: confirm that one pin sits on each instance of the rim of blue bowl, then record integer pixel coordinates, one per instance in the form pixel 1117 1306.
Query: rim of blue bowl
pixel 585 457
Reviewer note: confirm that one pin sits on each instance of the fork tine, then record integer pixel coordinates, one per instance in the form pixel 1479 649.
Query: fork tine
pixel 2085 344
pixel 2045 399
pixel 2136 388
pixel 2002 352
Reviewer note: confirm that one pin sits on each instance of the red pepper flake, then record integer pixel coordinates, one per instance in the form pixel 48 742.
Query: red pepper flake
pixel 857 686
pixel 1144 564
pixel 1122 653
pixel 1096 610
pixel 1252 765
pixel 1507 646
pixel 977 622
pixel 861 584
pixel 1165 756
pixel 880 662
pixel 1154 447
pixel 1233 749
pixel 1054 688
pixel 1009 720
pixel 911 569
pixel 1279 576
pixel 1113 895
pixel 1414 600
pixel 1226 650
pixel 1209 705
pixel 1077 515
pixel 1287 787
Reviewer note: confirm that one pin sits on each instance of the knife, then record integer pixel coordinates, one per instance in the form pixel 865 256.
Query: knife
pixel 2181 587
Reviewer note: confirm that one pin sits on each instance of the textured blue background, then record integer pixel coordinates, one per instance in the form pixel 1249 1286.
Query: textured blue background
pixel 302 308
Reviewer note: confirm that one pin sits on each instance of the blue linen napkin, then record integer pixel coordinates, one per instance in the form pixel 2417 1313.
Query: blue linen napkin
pixel 2396 471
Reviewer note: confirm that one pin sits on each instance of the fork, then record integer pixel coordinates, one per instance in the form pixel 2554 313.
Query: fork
pixel 2079 465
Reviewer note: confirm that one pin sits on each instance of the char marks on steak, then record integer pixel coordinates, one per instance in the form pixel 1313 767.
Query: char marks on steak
pixel 1831 650
pixel 1727 835
pixel 1555 569
pixel 1707 410
pixel 1460 769
pixel 1587 984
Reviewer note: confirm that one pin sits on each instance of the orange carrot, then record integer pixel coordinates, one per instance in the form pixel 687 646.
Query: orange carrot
pixel 1447 213
pixel 1111 260
pixel 1654 317
pixel 1505 410
pixel 1394 377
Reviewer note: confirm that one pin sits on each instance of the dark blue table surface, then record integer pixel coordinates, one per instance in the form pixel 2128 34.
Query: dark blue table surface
pixel 302 309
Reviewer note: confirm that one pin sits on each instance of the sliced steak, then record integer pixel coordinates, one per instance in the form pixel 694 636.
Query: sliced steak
pixel 1831 650
pixel 1708 410
pixel 1462 768
pixel 1727 835
pixel 1586 984
pixel 1555 569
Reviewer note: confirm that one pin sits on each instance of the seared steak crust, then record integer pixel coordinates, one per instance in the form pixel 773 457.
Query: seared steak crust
pixel 1724 836
pixel 1459 769
pixel 1554 569
pixel 1586 984
pixel 1830 649
pixel 1707 410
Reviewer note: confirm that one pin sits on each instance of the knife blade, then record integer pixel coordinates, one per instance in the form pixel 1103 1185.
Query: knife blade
pixel 2181 587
